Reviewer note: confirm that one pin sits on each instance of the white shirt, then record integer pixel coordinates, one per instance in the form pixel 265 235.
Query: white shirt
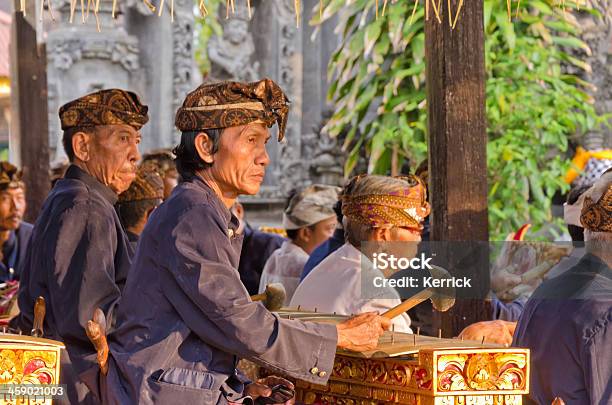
pixel 284 266
pixel 335 286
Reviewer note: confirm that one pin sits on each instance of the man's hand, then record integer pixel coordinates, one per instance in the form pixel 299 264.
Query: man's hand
pixel 263 388
pixel 492 331
pixel 503 280
pixel 360 333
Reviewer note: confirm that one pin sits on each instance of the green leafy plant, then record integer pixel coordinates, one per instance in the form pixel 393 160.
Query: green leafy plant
pixel 533 104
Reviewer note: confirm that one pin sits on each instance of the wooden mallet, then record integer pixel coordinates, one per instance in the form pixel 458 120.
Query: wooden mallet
pixel 442 298
pixel 273 297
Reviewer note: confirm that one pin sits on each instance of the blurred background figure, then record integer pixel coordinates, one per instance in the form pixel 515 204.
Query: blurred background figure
pixel 329 246
pixel 257 247
pixel 57 171
pixel 309 220
pixel 138 202
pixel 565 322
pixel 162 161
pixel 14 232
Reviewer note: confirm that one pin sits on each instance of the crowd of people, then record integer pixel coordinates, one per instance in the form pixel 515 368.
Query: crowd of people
pixel 161 244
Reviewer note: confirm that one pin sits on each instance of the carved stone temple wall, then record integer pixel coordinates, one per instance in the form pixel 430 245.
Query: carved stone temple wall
pixel 269 44
pixel 137 51
pixel 597 33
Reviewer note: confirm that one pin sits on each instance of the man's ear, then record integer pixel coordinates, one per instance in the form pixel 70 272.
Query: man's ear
pixel 81 145
pixel 204 146
pixel 305 233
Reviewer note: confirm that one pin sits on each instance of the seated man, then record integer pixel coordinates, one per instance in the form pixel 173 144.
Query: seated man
pixel 565 322
pixel 257 247
pixel 14 232
pixel 329 246
pixel 309 220
pixel 136 204
pixel 376 209
pixel 185 317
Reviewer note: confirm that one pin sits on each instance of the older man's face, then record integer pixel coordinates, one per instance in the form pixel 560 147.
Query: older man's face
pixel 113 156
pixel 240 162
pixel 12 208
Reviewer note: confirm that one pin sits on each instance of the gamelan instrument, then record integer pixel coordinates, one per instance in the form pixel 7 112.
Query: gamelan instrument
pixel 420 370
pixel 29 360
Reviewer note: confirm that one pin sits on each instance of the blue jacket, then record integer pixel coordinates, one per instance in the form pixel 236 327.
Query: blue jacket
pixel 566 324
pixel 14 251
pixel 185 318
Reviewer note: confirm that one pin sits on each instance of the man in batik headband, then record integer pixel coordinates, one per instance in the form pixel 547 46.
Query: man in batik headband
pixel 14 232
pixel 567 321
pixel 162 161
pixel 376 209
pixel 79 254
pixel 309 220
pixel 185 316
pixel 138 202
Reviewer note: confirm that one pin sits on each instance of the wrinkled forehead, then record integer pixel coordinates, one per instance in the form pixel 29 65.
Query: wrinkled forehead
pixel 16 188
pixel 115 129
pixel 252 128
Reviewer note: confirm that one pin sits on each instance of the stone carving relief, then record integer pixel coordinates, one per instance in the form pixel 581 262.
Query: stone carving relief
pixel 326 157
pixel 597 33
pixel 67 52
pixel 232 53
pixel 182 55
pixel 294 174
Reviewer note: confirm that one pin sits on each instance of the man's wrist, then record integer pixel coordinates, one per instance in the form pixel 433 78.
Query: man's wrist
pixel 342 340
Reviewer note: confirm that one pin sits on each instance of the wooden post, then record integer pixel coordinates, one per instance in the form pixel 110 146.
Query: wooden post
pixel 29 127
pixel 457 143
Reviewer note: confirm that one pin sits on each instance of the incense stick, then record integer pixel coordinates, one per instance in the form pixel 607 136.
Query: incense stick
pixel 458 11
pixel 50 6
pixel 416 3
pixel 509 7
pixel 433 3
pixel 72 9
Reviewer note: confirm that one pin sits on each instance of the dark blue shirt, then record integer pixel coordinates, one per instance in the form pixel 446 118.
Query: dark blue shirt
pixel 185 317
pixel 565 324
pixel 321 252
pixel 78 259
pixel 13 252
